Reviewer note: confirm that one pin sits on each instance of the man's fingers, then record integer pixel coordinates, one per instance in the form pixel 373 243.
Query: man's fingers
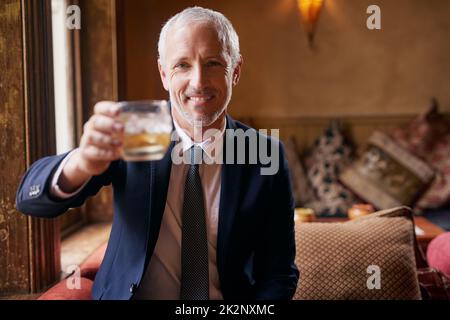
pixel 95 153
pixel 105 124
pixel 102 140
pixel 107 108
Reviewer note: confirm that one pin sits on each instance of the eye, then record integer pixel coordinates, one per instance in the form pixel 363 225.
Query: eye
pixel 181 65
pixel 213 63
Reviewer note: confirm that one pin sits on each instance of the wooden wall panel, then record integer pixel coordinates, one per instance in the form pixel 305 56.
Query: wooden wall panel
pixel 14 269
pixel 305 130
pixel 29 247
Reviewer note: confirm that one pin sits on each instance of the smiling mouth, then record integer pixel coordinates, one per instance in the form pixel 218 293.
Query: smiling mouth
pixel 197 100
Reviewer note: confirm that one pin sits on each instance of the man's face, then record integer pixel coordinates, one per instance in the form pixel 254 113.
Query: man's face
pixel 198 74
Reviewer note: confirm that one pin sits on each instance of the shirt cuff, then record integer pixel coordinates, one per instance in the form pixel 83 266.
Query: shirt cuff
pixel 55 189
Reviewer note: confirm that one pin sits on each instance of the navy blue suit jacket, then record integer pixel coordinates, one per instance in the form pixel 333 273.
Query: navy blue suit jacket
pixel 255 245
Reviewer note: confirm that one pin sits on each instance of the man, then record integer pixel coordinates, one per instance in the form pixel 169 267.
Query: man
pixel 189 231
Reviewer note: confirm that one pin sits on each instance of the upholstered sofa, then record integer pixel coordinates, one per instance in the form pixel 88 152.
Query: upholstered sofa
pixel 339 261
pixel 78 286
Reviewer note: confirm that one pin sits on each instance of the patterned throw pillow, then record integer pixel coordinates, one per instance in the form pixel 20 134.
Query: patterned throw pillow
pixel 428 137
pixel 343 260
pixel 329 156
pixel 387 175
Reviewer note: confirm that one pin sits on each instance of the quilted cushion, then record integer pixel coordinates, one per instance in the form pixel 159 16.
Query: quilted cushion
pixel 340 260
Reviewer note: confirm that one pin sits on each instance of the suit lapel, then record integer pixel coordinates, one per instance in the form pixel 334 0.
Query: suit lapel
pixel 160 173
pixel 230 184
pixel 159 184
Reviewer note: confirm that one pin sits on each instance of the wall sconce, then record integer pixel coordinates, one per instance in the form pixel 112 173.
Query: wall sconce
pixel 310 10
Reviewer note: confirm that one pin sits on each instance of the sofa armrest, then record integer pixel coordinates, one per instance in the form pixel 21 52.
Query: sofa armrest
pixel 63 291
pixel 90 266
pixel 88 269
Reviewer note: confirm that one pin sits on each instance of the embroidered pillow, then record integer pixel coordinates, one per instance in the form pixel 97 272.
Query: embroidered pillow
pixel 324 162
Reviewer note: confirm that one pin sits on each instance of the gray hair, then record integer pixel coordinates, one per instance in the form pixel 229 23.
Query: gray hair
pixel 225 30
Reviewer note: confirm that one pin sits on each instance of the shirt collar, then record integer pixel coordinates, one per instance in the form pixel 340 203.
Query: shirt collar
pixel 213 140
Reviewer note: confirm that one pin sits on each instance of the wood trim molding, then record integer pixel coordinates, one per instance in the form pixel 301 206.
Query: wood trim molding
pixel 38 71
pixel 121 52
pixel 75 218
pixel 77 89
pixel 305 130
pixel 98 45
pixel 43 234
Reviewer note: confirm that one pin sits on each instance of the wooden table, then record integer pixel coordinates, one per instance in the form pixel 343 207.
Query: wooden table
pixel 430 230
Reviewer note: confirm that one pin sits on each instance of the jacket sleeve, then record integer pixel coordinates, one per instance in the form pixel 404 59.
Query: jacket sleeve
pixel 33 196
pixel 278 274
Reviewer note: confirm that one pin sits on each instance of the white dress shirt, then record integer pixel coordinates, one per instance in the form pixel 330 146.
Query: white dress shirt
pixel 161 280
pixel 163 274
